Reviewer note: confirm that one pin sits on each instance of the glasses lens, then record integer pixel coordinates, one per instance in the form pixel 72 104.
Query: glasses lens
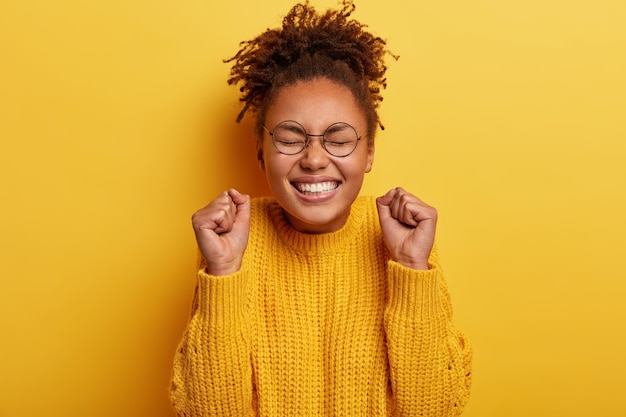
pixel 340 139
pixel 289 137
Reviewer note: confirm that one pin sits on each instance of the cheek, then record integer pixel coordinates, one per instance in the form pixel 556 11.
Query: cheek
pixel 353 172
pixel 360 165
pixel 276 168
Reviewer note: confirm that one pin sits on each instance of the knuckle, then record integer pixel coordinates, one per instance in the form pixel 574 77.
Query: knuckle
pixel 406 197
pixel 195 217
pixel 223 212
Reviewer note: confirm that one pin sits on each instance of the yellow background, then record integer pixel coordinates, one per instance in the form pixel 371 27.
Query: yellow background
pixel 116 123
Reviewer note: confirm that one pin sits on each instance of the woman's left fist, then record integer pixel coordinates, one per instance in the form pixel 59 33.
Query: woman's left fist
pixel 408 226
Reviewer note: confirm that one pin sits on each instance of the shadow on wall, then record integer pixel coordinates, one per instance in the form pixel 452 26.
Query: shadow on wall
pixel 239 157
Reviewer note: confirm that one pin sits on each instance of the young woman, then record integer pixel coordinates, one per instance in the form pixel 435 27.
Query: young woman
pixel 316 301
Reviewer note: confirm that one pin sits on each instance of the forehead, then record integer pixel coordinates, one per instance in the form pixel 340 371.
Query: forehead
pixel 315 104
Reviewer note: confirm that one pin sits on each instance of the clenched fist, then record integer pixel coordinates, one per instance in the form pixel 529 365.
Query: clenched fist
pixel 408 226
pixel 222 229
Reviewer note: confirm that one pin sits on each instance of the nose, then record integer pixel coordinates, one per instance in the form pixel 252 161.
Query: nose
pixel 314 156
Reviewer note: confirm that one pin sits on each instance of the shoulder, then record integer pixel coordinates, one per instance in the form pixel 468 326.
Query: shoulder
pixel 262 208
pixel 368 200
pixel 366 204
pixel 364 216
pixel 261 202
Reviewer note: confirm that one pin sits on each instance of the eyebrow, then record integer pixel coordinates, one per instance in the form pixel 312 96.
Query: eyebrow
pixel 338 126
pixel 293 127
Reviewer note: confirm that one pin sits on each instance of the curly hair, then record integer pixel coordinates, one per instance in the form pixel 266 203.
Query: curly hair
pixel 308 46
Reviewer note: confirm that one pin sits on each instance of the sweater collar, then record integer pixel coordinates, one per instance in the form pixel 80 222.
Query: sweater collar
pixel 322 242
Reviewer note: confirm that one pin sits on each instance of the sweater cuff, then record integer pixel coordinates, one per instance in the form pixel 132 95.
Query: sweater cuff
pixel 222 298
pixel 413 295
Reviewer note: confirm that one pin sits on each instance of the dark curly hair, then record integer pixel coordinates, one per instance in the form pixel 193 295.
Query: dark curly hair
pixel 308 46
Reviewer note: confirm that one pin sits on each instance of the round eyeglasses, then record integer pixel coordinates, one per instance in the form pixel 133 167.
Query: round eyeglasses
pixel 339 139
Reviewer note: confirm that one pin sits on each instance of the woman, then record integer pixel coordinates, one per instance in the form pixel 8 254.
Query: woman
pixel 316 301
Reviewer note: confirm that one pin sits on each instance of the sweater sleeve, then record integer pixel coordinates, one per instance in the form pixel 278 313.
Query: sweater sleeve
pixel 429 359
pixel 212 372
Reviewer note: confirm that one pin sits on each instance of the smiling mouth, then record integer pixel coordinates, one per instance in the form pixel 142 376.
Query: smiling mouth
pixel 316 188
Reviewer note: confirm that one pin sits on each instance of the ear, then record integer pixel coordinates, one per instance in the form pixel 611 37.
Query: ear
pixel 370 158
pixel 259 157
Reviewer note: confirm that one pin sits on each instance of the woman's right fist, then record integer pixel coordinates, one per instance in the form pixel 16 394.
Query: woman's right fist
pixel 222 229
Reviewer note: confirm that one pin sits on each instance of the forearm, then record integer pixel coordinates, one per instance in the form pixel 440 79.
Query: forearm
pixel 212 373
pixel 430 360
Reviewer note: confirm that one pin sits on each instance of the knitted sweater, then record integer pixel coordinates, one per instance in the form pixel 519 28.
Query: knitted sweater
pixel 321 324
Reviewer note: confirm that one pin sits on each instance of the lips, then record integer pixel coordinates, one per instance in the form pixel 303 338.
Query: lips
pixel 316 188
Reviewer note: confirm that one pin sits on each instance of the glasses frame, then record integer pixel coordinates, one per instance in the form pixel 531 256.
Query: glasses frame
pixel 309 135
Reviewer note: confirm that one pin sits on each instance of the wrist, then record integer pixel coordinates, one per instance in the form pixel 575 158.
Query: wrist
pixel 222 270
pixel 420 265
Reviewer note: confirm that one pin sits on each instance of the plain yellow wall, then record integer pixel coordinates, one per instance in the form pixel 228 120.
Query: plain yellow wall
pixel 116 123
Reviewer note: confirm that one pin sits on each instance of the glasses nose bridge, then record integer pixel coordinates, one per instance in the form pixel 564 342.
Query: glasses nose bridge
pixel 308 140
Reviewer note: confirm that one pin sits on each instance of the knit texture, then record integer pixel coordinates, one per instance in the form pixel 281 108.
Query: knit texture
pixel 321 325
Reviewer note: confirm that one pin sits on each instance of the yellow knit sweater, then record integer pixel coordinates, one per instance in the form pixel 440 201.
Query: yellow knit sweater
pixel 321 325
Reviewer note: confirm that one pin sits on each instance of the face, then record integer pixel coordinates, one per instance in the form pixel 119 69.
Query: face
pixel 316 189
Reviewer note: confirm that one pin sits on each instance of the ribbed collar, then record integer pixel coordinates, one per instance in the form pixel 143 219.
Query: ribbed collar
pixel 322 242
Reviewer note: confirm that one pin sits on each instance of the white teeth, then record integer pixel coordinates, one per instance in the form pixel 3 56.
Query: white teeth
pixel 320 187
